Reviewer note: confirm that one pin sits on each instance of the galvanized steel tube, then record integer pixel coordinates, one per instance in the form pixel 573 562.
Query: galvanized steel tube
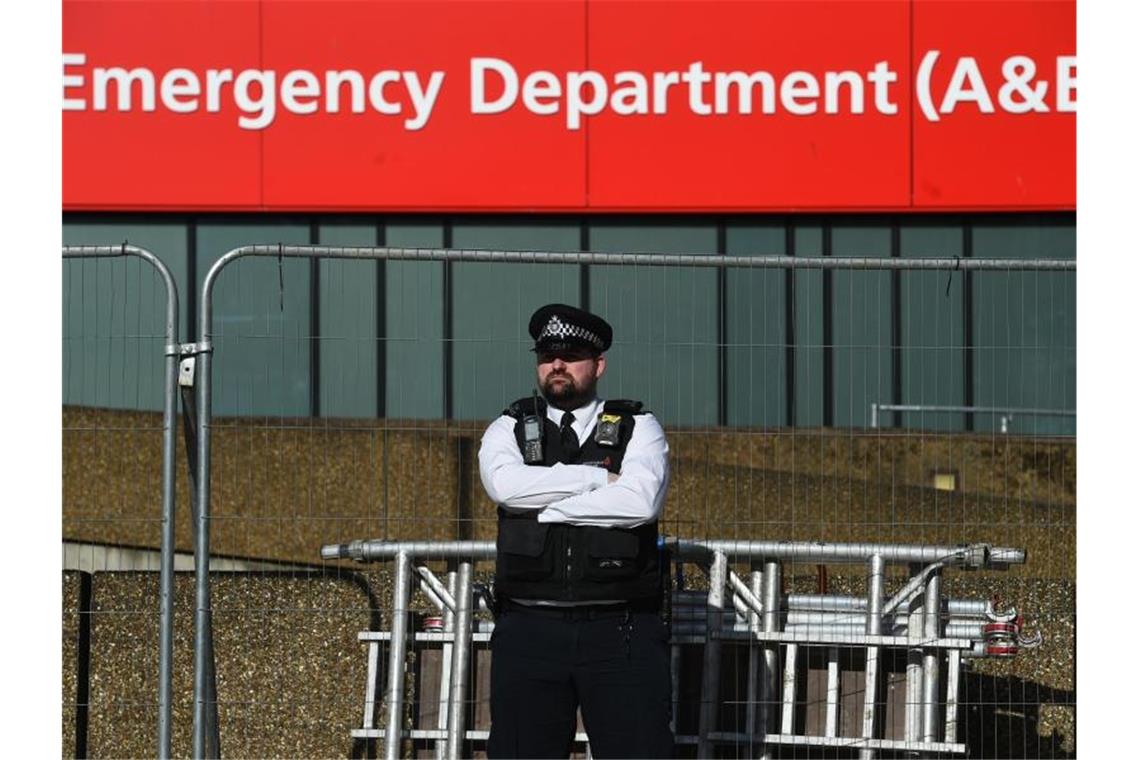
pixel 205 696
pixel 702 260
pixel 836 603
pixel 931 614
pixel 205 702
pixel 912 726
pixel 460 660
pixel 169 449
pixel 875 571
pixel 445 666
pixel 396 655
pixel 973 555
pixel 788 704
pixel 953 666
pixel 831 721
pixel 771 623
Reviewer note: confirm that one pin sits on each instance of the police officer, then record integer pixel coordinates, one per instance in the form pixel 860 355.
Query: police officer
pixel 580 484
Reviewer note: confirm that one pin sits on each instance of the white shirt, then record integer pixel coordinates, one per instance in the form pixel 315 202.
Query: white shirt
pixel 575 493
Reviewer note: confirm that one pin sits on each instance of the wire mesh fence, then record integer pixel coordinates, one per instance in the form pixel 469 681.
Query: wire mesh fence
pixel 349 392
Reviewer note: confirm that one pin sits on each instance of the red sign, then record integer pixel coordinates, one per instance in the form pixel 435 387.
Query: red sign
pixel 564 105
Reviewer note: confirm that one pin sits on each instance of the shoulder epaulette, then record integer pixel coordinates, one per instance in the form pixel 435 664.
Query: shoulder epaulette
pixel 622 406
pixel 525 406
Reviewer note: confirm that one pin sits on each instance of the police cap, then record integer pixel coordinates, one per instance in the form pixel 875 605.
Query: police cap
pixel 556 327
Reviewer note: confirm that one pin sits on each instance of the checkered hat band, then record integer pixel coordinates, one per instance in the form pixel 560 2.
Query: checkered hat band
pixel 560 330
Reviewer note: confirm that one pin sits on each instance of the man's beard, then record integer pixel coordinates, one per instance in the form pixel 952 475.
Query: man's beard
pixel 568 395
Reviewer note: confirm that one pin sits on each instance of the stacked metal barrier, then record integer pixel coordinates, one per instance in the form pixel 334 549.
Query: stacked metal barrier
pixel 934 631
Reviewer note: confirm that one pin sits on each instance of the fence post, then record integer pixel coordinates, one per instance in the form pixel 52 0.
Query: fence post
pixel 169 436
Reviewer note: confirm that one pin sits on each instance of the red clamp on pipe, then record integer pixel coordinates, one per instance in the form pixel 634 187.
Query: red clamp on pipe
pixel 1001 649
pixel 1001 629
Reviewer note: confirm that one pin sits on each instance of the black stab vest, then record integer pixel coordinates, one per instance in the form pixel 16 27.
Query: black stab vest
pixel 572 563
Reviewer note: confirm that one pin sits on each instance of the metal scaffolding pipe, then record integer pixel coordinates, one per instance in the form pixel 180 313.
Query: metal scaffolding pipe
pixel 751 601
pixel 967 555
pixel 931 619
pixel 710 674
pixel 788 711
pixel 912 727
pixel 460 661
pixel 445 667
pixel 771 623
pixel 831 722
pixel 443 598
pixel 837 603
pixel 397 652
pixel 876 567
pixel 953 666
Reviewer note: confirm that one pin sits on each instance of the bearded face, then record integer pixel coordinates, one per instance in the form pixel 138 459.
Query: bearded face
pixel 568 379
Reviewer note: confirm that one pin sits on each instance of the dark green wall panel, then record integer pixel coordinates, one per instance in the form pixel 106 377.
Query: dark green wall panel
pixel 414 382
pixel 930 311
pixel 261 320
pixel 694 344
pixel 114 314
pixel 492 305
pixel 1025 327
pixel 755 323
pixel 861 324
pixel 664 320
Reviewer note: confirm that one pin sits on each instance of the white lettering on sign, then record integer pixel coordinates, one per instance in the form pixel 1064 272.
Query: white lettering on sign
pixel 1066 83
pixel 259 95
pixel 73 82
pixel 496 86
pixel 1020 91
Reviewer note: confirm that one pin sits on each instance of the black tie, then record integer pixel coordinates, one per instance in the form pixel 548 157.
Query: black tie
pixel 569 438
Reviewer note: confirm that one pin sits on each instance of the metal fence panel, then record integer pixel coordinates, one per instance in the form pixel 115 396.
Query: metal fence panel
pixel 134 342
pixel 290 471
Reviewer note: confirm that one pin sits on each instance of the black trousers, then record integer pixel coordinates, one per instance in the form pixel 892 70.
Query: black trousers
pixel 612 664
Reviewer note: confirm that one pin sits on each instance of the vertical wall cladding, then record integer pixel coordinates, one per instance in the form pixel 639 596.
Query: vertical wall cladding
pixel 808 329
pixel 413 343
pixel 114 314
pixel 348 335
pixel 1024 325
pixel 492 304
pixel 860 325
pixel 756 319
pixel 450 339
pixel 262 320
pixel 931 328
pixel 664 319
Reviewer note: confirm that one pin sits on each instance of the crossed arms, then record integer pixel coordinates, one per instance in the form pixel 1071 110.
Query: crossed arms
pixel 575 493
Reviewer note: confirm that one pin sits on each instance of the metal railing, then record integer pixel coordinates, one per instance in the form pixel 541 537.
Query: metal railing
pixel 1004 414
pixel 936 632
pixel 200 370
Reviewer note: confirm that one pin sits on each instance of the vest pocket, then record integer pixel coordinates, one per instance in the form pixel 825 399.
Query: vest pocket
pixel 522 554
pixel 611 553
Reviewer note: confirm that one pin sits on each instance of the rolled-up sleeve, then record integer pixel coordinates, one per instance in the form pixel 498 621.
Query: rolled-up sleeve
pixel 636 497
pixel 519 486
